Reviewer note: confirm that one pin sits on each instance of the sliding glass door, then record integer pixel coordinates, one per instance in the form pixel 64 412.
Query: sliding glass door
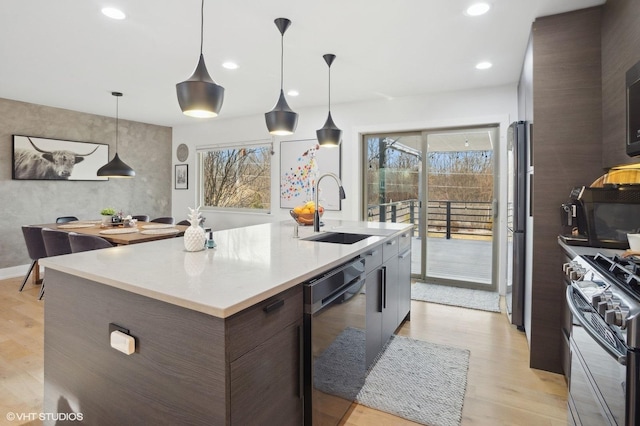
pixel 393 182
pixel 443 182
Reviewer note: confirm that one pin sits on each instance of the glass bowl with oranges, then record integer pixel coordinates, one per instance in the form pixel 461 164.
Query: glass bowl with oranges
pixel 303 214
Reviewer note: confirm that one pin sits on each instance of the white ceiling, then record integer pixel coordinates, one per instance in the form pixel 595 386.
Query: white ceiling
pixel 66 54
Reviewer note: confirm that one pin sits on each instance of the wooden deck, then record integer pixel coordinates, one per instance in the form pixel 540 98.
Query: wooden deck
pixel 454 259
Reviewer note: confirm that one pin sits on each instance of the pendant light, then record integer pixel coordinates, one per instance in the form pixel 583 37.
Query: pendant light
pixel 329 135
pixel 116 167
pixel 281 120
pixel 199 96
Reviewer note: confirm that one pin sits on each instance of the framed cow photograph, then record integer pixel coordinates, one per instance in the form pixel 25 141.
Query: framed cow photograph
pixel 36 158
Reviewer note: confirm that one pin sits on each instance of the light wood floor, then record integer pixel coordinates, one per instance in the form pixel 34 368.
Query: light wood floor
pixel 501 388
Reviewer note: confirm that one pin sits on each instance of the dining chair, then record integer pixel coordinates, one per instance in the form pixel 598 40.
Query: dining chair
pixel 184 222
pixel 56 243
pixel 35 248
pixel 83 242
pixel 65 219
pixel 169 219
pixel 141 217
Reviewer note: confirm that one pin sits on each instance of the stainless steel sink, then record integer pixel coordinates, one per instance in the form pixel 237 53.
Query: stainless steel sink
pixel 337 238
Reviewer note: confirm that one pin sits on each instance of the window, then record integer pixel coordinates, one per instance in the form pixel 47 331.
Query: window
pixel 236 177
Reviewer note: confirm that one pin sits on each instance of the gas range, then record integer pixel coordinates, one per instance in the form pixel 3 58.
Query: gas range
pixel 604 379
pixel 611 285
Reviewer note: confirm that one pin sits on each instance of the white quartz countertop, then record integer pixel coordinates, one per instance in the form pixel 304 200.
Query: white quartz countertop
pixel 248 265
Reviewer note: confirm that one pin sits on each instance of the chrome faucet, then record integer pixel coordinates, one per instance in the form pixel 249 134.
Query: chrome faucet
pixel 316 215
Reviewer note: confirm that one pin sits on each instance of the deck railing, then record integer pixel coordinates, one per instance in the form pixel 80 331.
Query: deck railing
pixel 444 217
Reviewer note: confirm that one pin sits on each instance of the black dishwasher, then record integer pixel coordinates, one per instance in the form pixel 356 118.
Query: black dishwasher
pixel 334 342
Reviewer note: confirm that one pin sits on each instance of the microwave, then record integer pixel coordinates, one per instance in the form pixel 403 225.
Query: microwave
pixel 602 217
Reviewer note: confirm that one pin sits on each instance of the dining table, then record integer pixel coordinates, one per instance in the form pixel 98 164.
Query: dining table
pixel 118 234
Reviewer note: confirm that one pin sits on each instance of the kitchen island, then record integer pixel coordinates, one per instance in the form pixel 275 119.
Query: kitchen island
pixel 217 333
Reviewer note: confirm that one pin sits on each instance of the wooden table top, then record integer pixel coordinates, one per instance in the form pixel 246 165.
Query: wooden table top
pixel 143 232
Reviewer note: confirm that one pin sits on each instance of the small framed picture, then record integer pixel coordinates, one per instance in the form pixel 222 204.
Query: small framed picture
pixel 182 176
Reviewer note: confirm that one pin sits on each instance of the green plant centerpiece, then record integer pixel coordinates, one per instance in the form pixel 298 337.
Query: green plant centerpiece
pixel 107 215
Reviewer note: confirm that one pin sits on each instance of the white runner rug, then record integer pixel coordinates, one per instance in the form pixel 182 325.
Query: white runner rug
pixel 456 296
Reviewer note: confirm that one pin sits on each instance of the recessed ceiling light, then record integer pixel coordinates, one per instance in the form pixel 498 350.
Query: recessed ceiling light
pixel 478 9
pixel 293 92
pixel 484 65
pixel 230 65
pixel 113 13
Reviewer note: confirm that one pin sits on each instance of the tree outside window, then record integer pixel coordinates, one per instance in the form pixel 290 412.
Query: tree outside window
pixel 237 177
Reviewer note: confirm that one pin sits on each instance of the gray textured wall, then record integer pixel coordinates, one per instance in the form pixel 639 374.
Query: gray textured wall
pixel 144 147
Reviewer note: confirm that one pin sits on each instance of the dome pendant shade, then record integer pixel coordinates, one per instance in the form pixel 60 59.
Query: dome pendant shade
pixel 329 135
pixel 199 96
pixel 116 168
pixel 281 120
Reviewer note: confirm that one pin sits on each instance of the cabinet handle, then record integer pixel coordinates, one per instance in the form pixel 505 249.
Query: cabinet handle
pixel 405 254
pixel 390 243
pixel 384 291
pixel 273 306
pixel 300 363
pixel 381 290
pixel 373 253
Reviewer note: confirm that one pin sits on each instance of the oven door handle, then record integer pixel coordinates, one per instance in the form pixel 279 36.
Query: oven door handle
pixel 358 281
pixel 591 331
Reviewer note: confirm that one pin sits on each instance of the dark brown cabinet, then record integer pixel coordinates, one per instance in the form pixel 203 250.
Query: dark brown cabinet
pixel 265 344
pixel 188 368
pixel 388 289
pixel 265 382
pixel 560 95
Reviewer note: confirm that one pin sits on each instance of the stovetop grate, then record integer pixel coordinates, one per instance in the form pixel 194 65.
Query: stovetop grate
pixel 622 271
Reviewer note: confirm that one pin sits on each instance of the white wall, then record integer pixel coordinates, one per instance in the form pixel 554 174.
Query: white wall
pixel 479 106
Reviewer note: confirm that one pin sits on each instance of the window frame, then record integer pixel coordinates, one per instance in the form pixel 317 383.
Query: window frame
pixel 264 143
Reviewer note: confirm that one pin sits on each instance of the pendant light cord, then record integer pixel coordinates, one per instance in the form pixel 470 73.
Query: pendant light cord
pixel 329 89
pixel 201 25
pixel 281 61
pixel 117 103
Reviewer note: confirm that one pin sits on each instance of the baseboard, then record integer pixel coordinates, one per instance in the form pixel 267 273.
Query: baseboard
pixel 15 271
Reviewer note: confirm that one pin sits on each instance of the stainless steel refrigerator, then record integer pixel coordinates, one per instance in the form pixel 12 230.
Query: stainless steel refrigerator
pixel 516 221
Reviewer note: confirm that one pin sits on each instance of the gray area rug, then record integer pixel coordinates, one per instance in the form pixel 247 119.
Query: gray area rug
pixel 419 381
pixel 455 296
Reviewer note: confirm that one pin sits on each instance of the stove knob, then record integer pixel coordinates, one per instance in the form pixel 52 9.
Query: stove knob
pixel 565 266
pixel 602 307
pixel 617 316
pixel 609 304
pixel 595 299
pixel 573 275
pixel 567 270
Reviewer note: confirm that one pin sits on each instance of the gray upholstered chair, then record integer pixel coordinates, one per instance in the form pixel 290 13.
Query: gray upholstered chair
pixel 65 219
pixel 35 247
pixel 56 243
pixel 170 220
pixel 83 242
pixel 141 217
